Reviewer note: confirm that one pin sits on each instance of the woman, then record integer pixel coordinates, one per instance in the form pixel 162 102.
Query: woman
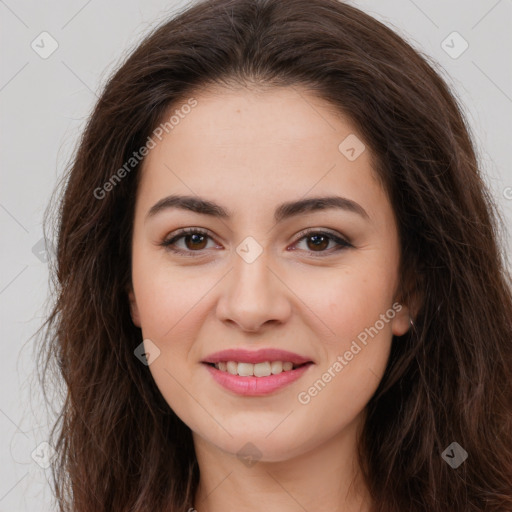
pixel 279 280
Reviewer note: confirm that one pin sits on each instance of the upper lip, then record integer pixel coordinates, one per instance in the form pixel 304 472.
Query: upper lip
pixel 255 356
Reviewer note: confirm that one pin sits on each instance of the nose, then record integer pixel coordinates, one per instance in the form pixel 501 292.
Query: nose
pixel 254 295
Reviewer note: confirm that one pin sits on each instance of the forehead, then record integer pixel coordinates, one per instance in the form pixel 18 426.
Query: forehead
pixel 249 147
pixel 289 121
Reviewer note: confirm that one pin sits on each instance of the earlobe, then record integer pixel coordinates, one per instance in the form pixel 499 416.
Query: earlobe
pixel 405 317
pixel 401 323
pixel 134 310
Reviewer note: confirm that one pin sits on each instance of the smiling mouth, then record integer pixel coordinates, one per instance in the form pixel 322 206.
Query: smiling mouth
pixel 263 369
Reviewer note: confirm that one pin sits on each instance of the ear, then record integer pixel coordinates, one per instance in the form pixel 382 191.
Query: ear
pixel 134 310
pixel 402 319
pixel 407 307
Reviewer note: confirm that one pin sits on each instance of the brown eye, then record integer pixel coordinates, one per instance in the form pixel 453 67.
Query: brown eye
pixel 319 242
pixel 197 241
pixel 194 241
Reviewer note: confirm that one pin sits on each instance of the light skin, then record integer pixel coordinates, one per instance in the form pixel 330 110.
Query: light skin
pixel 250 151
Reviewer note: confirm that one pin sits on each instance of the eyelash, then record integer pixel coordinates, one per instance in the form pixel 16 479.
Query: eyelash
pixel 182 233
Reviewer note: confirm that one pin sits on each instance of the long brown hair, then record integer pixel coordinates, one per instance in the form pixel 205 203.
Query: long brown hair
pixel 120 446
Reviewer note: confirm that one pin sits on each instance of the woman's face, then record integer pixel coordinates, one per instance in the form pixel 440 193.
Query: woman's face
pixel 270 270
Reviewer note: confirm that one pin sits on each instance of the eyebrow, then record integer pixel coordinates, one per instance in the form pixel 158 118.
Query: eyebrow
pixel 283 211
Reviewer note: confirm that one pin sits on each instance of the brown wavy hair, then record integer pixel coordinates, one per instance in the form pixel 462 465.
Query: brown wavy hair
pixel 120 446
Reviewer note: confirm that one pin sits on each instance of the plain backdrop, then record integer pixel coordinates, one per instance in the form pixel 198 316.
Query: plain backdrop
pixel 45 100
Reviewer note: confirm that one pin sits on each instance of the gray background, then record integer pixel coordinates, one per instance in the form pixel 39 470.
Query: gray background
pixel 44 105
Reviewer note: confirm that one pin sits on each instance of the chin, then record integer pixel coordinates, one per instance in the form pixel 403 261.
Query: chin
pixel 263 443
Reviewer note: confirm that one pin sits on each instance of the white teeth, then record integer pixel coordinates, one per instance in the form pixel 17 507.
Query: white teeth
pixel 257 370
pixel 262 369
pixel 276 367
pixel 232 367
pixel 245 369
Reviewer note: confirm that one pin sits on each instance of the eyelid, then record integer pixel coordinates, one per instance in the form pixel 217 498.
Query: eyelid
pixel 181 233
pixel 342 241
pixel 337 237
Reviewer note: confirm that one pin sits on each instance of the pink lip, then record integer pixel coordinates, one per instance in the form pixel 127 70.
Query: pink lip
pixel 256 356
pixel 255 386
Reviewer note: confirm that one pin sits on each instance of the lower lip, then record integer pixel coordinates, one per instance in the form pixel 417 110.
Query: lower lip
pixel 256 386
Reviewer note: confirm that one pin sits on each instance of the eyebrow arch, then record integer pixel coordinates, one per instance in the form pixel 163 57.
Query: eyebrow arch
pixel 284 211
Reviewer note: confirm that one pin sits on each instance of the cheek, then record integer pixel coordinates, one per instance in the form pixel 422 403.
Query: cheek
pixel 356 305
pixel 354 360
pixel 166 295
pixel 170 302
pixel 346 301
